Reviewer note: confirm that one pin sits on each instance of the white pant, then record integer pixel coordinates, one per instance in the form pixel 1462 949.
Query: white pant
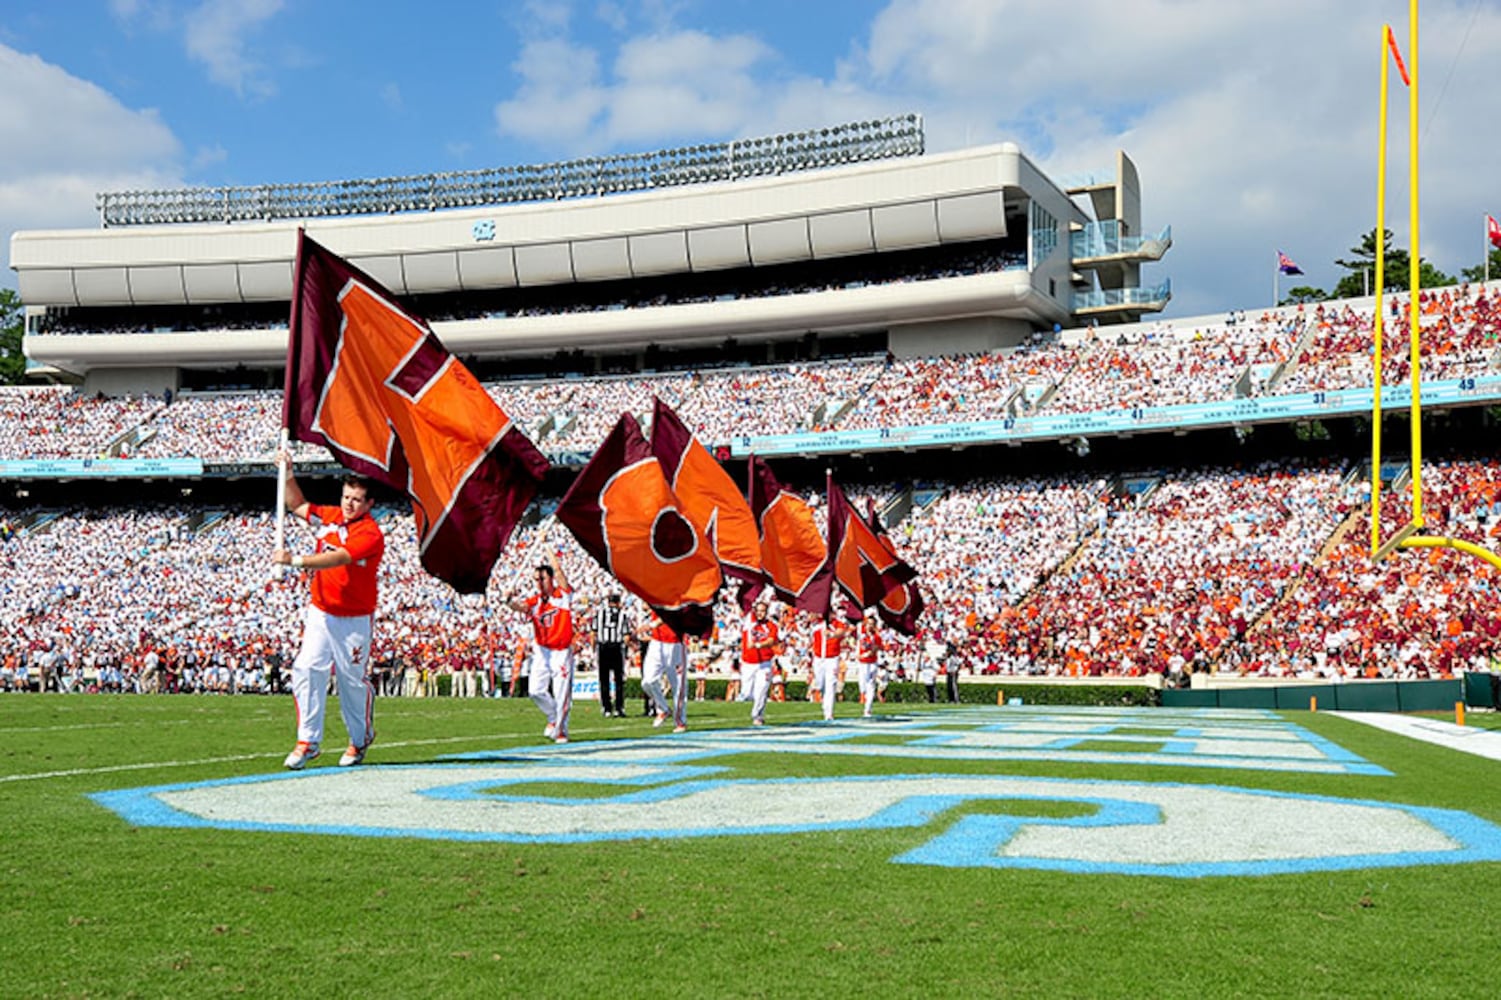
pixel 669 660
pixel 758 680
pixel 343 646
pixel 867 685
pixel 826 680
pixel 551 685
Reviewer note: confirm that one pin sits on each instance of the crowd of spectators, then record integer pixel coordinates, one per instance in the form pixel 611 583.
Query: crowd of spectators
pixel 56 422
pixel 1419 613
pixel 1284 351
pixel 1260 571
pixel 1459 338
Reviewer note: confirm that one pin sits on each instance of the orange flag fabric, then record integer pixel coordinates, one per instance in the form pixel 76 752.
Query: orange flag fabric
pixel 368 380
pixel 624 513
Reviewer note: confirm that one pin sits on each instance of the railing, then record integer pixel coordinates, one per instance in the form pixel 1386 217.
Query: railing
pixel 1103 239
pixel 788 152
pixel 1152 298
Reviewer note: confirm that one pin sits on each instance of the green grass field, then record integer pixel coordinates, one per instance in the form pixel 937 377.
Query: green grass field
pixel 94 906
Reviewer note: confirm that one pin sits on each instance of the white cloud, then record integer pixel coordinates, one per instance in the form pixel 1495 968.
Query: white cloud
pixel 560 98
pixel 671 86
pixel 216 34
pixel 1253 124
pixel 79 140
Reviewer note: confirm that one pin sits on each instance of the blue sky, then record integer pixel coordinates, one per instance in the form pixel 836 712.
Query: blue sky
pixel 1253 123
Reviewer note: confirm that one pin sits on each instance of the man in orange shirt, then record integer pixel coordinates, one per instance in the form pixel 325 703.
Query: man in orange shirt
pixel 337 631
pixel 758 647
pixel 551 677
pixel 828 637
pixel 868 650
pixel 664 667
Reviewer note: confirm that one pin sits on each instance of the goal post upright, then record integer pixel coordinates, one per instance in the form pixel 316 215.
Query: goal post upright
pixel 1410 535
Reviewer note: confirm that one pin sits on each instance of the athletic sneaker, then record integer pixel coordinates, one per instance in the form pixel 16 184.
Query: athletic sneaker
pixel 300 755
pixel 547 733
pixel 561 739
pixel 758 722
pixel 661 718
pixel 352 756
pixel 680 729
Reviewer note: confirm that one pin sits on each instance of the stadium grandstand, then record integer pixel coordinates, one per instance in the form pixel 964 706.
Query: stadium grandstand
pixel 1086 489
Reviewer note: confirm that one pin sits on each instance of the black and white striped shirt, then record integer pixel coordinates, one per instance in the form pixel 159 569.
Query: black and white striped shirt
pixel 611 624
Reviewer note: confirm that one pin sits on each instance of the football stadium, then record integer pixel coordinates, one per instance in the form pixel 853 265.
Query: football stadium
pixel 1105 656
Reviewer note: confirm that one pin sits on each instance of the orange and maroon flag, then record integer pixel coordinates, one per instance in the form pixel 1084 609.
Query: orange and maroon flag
pixel 708 495
pixel 368 380
pixel 793 552
pixel 864 568
pixel 624 513
pixel 901 607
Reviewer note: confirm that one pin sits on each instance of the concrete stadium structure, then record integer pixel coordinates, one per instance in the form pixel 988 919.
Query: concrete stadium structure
pixel 1075 256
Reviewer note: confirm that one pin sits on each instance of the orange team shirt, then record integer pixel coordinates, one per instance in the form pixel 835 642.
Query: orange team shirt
pixel 346 591
pixel 662 632
pixel 552 618
pixel 757 632
pixel 826 642
pixel 870 644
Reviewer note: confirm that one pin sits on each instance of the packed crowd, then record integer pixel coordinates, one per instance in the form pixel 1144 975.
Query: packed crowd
pixel 1419 613
pixel 1278 352
pixel 52 422
pixel 1261 571
pixel 1459 338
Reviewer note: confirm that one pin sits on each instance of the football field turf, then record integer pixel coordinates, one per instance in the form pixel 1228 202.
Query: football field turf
pixel 154 846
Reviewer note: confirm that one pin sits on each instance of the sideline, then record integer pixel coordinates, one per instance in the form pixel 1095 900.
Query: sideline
pixel 1480 742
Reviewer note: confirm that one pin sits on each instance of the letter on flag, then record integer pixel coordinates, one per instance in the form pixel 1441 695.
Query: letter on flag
pixel 1285 264
pixel 1493 231
pixel 707 494
pixel 369 381
pixel 624 514
pixel 793 553
pixel 900 608
pixel 864 568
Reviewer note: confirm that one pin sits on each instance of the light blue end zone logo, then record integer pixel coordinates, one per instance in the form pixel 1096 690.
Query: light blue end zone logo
pixel 674 788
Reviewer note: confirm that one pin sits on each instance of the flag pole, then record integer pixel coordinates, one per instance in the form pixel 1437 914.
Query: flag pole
pixel 283 451
pixel 283 459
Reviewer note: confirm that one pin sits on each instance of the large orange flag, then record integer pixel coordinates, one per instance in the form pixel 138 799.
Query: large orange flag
pixel 624 513
pixel 368 380
pixel 903 605
pixel 708 495
pixel 793 551
pixel 864 567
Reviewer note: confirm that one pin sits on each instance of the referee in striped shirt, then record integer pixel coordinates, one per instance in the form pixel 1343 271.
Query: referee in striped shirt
pixel 611 628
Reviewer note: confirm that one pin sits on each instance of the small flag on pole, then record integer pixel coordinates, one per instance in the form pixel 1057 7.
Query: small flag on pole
pixel 1286 265
pixel 1493 231
pixel 1391 43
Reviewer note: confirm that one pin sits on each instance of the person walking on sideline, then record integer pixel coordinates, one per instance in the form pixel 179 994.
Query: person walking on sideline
pixel 551 612
pixel 338 625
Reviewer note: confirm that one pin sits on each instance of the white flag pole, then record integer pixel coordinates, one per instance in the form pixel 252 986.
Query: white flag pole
pixel 283 458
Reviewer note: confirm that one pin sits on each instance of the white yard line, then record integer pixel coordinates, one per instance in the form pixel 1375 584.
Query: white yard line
pixel 1480 742
pixel 5 730
pixel 150 765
